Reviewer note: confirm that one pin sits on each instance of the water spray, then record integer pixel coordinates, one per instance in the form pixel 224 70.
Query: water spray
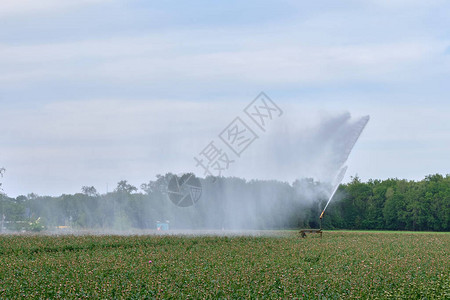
pixel 359 127
pixel 350 143
pixel 337 183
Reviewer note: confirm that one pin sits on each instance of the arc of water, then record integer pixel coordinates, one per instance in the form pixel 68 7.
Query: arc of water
pixel 359 127
pixel 337 182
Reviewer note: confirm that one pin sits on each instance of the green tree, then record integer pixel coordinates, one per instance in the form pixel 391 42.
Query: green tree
pixel 89 191
pixel 124 186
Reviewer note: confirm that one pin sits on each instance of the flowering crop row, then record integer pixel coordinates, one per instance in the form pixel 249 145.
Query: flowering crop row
pixel 340 265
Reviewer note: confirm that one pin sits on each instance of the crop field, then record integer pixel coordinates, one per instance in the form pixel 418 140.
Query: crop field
pixel 340 265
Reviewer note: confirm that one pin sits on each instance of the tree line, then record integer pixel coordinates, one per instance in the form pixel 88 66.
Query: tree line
pixel 235 203
pixel 393 204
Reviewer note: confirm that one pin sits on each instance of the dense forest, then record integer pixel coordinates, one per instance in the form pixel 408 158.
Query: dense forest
pixel 393 204
pixel 233 203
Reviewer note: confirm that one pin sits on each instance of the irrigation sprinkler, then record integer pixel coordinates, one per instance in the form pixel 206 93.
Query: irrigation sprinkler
pixel 352 139
pixel 337 182
pixel 303 232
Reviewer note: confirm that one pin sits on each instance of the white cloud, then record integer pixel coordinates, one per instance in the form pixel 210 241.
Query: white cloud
pixel 402 4
pixel 21 7
pixel 398 44
pixel 143 59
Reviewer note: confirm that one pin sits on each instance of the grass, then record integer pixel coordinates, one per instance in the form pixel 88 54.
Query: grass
pixel 340 265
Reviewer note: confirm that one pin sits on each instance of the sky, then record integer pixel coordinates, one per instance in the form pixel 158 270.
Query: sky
pixel 96 91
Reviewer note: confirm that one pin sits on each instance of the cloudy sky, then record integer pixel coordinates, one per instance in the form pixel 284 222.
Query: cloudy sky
pixel 95 91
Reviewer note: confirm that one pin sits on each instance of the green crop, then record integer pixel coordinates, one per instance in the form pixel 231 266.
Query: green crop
pixel 340 265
